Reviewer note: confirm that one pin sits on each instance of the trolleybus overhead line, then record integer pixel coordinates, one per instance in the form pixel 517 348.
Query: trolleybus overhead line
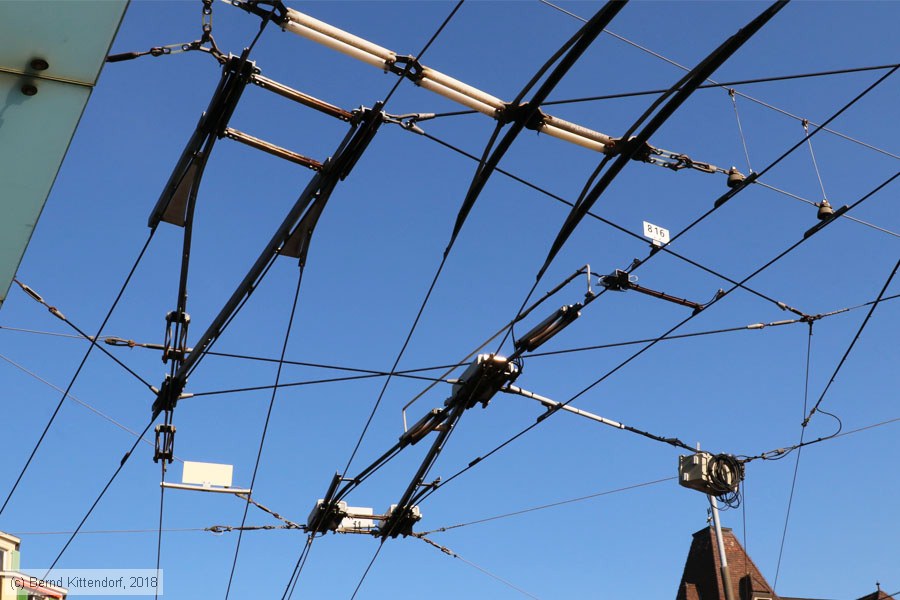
pixel 527 115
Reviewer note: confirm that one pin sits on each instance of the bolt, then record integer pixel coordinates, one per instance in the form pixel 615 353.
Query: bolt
pixel 29 89
pixel 39 64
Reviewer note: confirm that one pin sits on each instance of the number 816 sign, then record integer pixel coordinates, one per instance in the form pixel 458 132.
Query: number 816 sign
pixel 659 235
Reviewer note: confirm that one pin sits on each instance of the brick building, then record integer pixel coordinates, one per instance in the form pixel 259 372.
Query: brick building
pixel 702 579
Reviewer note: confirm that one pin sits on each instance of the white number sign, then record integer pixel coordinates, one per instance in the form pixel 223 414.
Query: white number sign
pixel 659 235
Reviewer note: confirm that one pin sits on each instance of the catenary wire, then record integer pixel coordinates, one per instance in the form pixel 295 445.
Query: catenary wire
pixel 706 86
pixel 56 312
pixel 262 441
pixel 427 295
pixel 852 343
pixel 90 510
pixel 77 400
pixel 737 116
pixel 787 515
pixel 453 554
pixel 546 506
pixel 603 220
pixel 77 372
pixel 746 96
pixel 298 568
pixel 622 364
pixel 813 203
pixel 305 553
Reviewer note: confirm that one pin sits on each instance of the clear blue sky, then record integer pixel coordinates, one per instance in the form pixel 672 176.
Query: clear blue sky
pixel 374 253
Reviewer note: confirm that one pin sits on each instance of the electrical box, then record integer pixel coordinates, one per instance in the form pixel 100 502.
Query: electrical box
pixel 714 475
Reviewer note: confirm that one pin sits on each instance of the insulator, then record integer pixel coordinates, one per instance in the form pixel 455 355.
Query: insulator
pixel 735 177
pixel 825 211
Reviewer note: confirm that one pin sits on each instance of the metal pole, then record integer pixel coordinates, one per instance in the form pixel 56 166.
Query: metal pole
pixel 726 575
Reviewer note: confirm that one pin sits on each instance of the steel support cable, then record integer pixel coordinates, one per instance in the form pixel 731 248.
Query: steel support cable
pixel 550 505
pixel 603 220
pixel 622 364
pixel 77 371
pixel 71 397
pixel 752 326
pixel 787 515
pixel 117 341
pixel 780 453
pixel 813 203
pixel 312 382
pixel 305 553
pixel 862 327
pixel 262 441
pixel 368 568
pixel 298 568
pixel 115 474
pixel 579 44
pixel 737 116
pixel 59 315
pixel 706 86
pixel 679 93
pixel 453 554
pixel 431 287
pixel 579 210
pixel 746 96
pixel 351 484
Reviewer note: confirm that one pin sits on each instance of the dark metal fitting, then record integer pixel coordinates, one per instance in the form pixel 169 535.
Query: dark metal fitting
pixel 160 50
pixel 39 64
pixel 411 68
pixel 517 114
pixel 165 443
pixel 117 341
pixel 617 282
pixel 629 146
pixel 278 12
pixel 178 317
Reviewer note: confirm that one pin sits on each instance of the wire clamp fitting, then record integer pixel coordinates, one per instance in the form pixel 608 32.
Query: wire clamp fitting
pixel 177 323
pixel 165 443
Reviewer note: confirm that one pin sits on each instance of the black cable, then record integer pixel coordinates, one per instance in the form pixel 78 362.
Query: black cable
pixel 650 345
pixel 787 516
pixel 551 505
pixel 430 288
pixel 679 93
pixel 313 382
pixel 852 343
pixel 77 372
pixel 262 441
pixel 369 568
pixel 706 86
pixel 99 497
pixel 716 84
pixel 603 220
pixel 298 567
pixel 427 45
pixel 162 496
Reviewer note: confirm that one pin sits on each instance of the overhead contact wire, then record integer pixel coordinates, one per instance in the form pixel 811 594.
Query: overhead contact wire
pixel 262 440
pixel 75 376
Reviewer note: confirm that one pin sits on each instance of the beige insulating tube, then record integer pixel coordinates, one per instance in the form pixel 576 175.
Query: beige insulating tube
pixel 340 35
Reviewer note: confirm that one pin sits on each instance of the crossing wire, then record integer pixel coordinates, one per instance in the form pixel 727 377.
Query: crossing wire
pixel 262 441
pixel 77 372
pixel 787 516
pixel 746 96
pixel 622 364
pixel 90 510
pixel 430 289
pixel 301 561
pixel 546 506
pixel 852 343
pixel 453 554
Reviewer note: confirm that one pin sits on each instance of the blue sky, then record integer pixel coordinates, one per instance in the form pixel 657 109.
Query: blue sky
pixel 374 253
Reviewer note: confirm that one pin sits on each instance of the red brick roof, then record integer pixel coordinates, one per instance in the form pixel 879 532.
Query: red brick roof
pixel 702 579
